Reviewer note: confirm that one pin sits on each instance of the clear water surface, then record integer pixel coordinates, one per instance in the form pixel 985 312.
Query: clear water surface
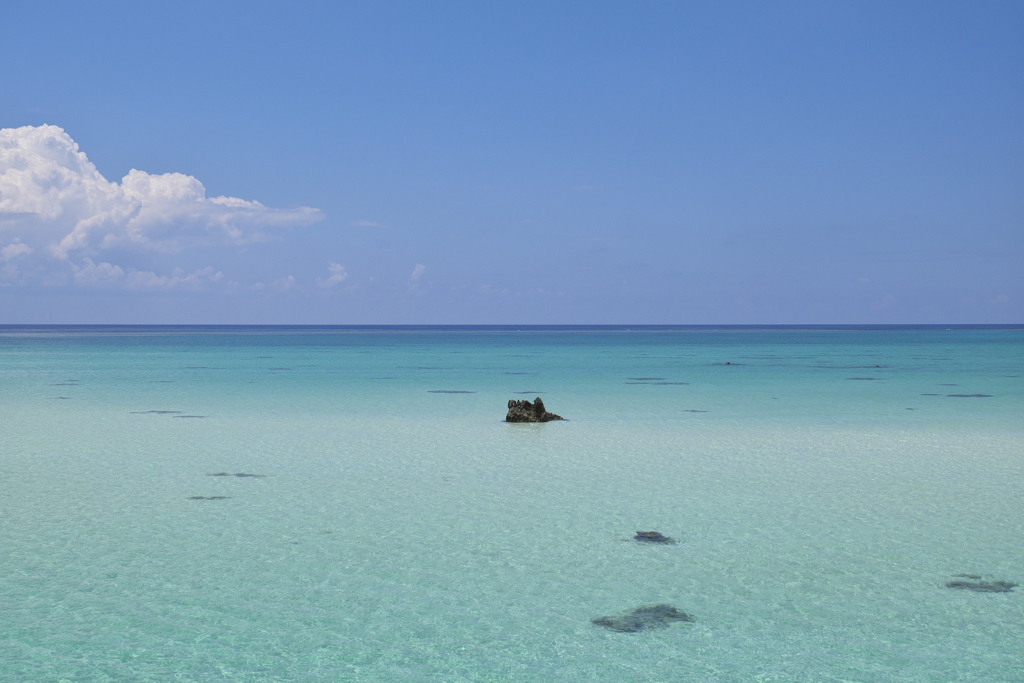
pixel 824 486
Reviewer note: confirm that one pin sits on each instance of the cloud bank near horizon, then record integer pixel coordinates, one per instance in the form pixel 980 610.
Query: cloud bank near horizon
pixel 56 206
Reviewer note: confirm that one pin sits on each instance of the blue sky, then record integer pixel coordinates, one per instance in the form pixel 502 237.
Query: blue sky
pixel 527 162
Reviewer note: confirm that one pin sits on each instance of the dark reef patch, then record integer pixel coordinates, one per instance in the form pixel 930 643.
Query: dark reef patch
pixel 969 395
pixel 449 391
pixel 931 394
pixel 280 368
pixel 240 474
pixel 692 410
pixel 643 618
pixel 653 537
pixel 670 383
pixel 981 586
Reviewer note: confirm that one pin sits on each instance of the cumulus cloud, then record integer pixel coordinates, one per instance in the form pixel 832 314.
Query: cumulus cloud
pixel 53 200
pixel 418 272
pixel 337 274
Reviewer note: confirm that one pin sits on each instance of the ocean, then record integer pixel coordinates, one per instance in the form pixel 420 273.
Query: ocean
pixel 348 504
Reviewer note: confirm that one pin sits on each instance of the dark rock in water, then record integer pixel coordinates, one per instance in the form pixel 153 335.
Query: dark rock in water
pixel 983 586
pixel 524 411
pixel 208 497
pixel 652 537
pixel 643 618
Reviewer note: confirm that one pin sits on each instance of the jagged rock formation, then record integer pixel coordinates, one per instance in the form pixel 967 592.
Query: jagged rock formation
pixel 524 411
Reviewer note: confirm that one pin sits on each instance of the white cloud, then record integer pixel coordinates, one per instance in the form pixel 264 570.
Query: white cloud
pixel 14 250
pixel 337 274
pixel 285 284
pixel 178 279
pixel 104 274
pixel 56 201
pixel 98 274
pixel 418 272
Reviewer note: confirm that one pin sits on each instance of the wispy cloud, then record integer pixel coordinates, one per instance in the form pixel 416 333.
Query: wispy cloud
pixel 285 284
pixel 418 272
pixel 108 275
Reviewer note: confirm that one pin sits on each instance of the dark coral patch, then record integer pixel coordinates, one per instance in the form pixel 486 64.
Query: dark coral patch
pixel 652 537
pixel 982 586
pixel 240 474
pixel 643 618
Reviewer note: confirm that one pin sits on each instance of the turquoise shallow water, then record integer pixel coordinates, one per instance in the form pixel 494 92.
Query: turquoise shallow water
pixel 829 489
